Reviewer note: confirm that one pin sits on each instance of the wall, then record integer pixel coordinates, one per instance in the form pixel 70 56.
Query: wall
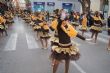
pixel 95 5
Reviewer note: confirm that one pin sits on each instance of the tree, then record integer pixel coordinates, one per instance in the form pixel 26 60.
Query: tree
pixel 85 5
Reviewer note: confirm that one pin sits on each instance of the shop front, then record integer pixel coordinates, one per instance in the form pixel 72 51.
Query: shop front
pixel 50 6
pixel 39 6
pixel 67 6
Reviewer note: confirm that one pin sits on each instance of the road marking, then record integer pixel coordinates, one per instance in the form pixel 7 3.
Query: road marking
pixel 78 67
pixel 32 44
pixel 11 44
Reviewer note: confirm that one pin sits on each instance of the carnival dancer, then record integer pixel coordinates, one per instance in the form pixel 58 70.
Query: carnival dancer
pixel 53 27
pixel 97 26
pixel 33 19
pixel 75 22
pixel 9 18
pixel 44 35
pixel 64 49
pixel 37 26
pixel 2 25
pixel 84 24
pixel 27 18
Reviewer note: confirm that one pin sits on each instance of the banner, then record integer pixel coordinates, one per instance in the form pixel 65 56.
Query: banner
pixel 39 3
pixel 67 6
pixel 39 6
pixel 50 3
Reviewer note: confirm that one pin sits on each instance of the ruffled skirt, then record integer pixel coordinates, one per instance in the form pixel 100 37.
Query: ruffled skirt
pixel 37 28
pixel 84 28
pixel 96 29
pixel 64 51
pixel 2 27
pixel 44 34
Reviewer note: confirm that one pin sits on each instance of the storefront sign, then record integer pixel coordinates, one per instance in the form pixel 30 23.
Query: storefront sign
pixel 39 3
pixel 39 6
pixel 50 3
pixel 67 4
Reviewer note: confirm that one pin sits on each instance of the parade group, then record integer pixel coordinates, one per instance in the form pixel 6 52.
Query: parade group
pixel 61 27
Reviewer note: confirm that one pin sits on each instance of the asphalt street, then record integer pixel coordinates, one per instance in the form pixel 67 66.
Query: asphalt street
pixel 20 52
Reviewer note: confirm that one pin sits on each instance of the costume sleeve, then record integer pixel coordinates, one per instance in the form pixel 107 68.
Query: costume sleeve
pixel 100 19
pixel 53 25
pixel 1 20
pixel 71 32
pixel 81 37
pixel 46 27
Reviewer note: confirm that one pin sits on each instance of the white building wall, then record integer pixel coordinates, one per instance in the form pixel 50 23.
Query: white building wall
pixel 95 5
pixel 58 4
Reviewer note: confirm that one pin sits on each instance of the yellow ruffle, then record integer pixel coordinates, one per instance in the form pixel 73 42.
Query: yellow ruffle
pixel 71 50
pixel 46 27
pixel 37 27
pixel 33 17
pixel 1 19
pixel 32 23
pixel 96 28
pixel 54 39
pixel 84 28
pixel 1 27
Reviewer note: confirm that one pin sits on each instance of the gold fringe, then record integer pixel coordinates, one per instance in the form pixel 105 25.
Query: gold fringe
pixel 37 27
pixel 96 28
pixel 71 50
pixel 84 28
pixel 1 27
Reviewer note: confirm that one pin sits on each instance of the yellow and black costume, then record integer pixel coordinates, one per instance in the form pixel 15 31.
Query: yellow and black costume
pixel 27 18
pixel 44 30
pixel 2 21
pixel 3 26
pixel 33 18
pixel 9 18
pixel 75 23
pixel 63 49
pixel 97 26
pixel 53 27
pixel 38 23
pixel 84 24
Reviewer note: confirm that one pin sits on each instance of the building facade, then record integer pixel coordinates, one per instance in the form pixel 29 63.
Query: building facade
pixel 99 5
pixel 50 5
